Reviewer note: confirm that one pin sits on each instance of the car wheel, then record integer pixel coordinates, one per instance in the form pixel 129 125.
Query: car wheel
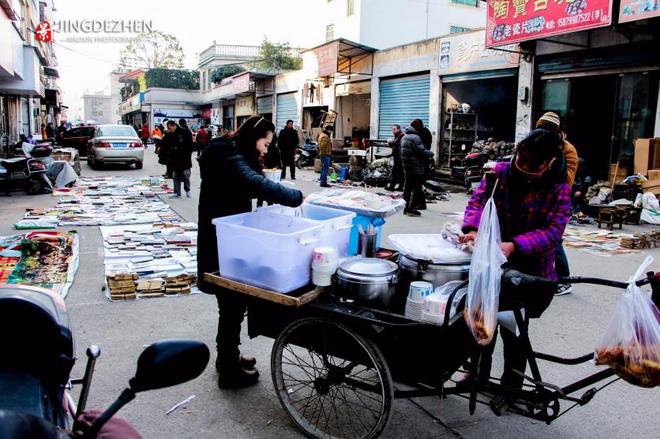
pixel 138 165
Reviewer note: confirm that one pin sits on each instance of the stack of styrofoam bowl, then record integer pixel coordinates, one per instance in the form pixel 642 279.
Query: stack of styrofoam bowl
pixel 417 293
pixel 435 305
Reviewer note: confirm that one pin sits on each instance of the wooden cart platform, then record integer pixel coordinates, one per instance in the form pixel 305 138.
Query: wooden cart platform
pixel 296 299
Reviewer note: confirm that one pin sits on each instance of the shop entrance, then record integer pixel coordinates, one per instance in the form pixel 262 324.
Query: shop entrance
pixel 353 118
pixel 603 115
pixel 477 110
pixel 312 118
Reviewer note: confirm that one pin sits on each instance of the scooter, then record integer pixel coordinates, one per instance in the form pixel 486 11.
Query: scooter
pixel 306 155
pixel 23 173
pixel 38 355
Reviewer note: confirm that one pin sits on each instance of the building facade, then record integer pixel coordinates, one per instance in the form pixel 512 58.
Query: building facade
pixel 29 93
pixel 382 24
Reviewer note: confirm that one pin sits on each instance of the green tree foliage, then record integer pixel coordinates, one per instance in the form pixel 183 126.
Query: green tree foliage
pixel 170 78
pixel 222 72
pixel 276 57
pixel 151 50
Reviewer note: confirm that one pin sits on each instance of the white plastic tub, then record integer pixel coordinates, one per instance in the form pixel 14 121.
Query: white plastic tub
pixel 266 249
pixel 336 223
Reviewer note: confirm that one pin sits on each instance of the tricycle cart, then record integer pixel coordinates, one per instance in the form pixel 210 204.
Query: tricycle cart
pixel 334 363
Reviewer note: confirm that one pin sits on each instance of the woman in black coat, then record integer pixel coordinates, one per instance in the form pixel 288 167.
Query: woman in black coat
pixel 231 177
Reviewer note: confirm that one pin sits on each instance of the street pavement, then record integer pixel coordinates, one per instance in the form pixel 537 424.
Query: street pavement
pixel 570 327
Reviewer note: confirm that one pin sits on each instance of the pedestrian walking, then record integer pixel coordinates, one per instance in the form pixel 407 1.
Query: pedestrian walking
pixel 201 139
pixel 156 136
pixel 325 153
pixel 180 149
pixel 231 178
pixel 396 176
pixel 413 158
pixel 288 142
pixel 163 149
pixel 550 121
pixel 44 134
pixel 533 207
pixel 144 134
pixel 427 141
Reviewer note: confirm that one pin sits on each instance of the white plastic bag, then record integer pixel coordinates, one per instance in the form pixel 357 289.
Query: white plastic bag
pixel 485 276
pixel 631 342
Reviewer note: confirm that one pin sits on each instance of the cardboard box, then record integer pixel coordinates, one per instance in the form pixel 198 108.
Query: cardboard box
pixel 647 155
pixel 652 186
pixel 654 174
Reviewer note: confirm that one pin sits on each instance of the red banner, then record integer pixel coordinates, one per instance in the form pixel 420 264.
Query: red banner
pixel 512 21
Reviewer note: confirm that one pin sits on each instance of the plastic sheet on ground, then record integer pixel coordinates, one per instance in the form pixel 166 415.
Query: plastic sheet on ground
pixel 44 259
pixel 358 201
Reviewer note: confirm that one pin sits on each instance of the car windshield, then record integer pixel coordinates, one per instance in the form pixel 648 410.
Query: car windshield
pixel 117 131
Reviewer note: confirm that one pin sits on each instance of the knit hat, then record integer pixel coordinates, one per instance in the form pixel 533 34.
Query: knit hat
pixel 550 118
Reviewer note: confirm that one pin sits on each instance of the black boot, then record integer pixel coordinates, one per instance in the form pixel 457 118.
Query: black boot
pixel 235 377
pixel 247 363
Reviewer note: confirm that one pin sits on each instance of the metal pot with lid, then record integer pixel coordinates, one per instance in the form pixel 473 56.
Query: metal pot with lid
pixel 436 273
pixel 368 280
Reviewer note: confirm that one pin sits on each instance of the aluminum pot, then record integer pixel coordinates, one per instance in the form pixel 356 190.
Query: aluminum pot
pixel 371 281
pixel 438 274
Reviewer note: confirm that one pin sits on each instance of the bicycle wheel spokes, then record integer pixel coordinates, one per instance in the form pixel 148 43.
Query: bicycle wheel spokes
pixel 332 382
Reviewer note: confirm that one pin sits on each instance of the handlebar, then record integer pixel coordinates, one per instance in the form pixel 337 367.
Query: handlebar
pixel 651 278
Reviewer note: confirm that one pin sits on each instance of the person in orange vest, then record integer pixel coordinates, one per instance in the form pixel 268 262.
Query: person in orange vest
pixel 156 136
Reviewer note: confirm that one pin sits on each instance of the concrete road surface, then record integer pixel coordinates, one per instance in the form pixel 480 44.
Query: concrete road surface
pixel 570 327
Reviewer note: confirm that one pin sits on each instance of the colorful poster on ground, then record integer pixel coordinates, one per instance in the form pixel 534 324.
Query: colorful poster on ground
pixel 44 259
pixel 633 10
pixel 512 21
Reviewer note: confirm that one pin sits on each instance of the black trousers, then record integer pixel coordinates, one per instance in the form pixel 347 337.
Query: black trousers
pixel 515 358
pixel 231 311
pixel 412 191
pixel 292 166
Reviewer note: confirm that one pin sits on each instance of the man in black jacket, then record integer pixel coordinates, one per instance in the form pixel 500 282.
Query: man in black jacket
pixel 414 157
pixel 288 141
pixel 178 142
pixel 396 177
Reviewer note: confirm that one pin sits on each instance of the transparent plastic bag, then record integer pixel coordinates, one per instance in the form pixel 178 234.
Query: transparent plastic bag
pixel 631 342
pixel 485 277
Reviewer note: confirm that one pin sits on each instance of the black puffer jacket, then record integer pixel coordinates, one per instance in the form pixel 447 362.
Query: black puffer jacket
pixel 413 153
pixel 229 183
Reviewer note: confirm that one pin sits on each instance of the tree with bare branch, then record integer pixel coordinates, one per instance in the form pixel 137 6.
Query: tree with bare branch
pixel 152 50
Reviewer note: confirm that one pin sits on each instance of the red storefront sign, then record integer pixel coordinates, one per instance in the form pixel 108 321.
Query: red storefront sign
pixel 512 21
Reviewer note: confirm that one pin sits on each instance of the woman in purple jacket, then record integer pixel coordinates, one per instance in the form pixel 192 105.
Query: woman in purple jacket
pixel 533 207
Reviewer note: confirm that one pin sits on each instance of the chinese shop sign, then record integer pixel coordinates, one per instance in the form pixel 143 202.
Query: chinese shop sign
pixel 633 10
pixel 465 52
pixel 511 21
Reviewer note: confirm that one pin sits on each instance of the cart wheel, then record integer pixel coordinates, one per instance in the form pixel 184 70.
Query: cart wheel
pixel 332 382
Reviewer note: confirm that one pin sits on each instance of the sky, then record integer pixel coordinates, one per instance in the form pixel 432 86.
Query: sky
pixel 85 67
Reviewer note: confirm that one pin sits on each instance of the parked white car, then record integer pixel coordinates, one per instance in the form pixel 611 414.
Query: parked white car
pixel 115 144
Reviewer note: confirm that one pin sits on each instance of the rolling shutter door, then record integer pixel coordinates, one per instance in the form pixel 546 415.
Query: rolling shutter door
pixel 287 108
pixel 401 101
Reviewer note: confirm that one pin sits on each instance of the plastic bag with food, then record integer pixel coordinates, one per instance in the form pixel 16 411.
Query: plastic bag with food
pixel 485 276
pixel 631 342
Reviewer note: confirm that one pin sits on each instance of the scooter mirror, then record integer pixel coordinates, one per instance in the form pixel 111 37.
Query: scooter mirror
pixel 168 363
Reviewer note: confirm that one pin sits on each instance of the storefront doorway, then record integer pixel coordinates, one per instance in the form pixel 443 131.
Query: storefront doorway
pixel 474 110
pixel 603 114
